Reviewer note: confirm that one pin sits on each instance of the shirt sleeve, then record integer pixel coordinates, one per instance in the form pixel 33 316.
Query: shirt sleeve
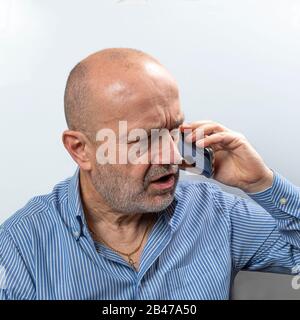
pixel 15 280
pixel 265 233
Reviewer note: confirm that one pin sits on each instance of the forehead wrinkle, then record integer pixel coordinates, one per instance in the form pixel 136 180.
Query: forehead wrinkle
pixel 174 125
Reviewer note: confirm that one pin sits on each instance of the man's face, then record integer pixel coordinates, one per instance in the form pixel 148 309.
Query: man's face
pixel 136 188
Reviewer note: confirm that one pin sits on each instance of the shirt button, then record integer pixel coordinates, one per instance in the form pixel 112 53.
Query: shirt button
pixel 76 234
pixel 283 200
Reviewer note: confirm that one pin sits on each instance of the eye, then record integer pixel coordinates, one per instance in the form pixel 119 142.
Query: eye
pixel 138 139
pixel 175 134
pixel 134 141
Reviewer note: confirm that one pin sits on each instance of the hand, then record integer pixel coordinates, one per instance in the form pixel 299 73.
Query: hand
pixel 237 164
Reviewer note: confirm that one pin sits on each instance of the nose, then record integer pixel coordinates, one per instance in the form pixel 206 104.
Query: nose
pixel 165 150
pixel 176 157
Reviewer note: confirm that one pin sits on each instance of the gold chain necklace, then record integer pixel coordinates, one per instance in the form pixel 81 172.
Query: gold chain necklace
pixel 130 260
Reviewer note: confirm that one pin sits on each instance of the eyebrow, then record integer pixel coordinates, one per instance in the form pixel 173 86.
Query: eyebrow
pixel 173 126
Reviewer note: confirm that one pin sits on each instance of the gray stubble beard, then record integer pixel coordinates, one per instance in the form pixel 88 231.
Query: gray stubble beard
pixel 120 195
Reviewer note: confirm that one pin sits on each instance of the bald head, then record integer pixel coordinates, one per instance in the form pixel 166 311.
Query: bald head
pixel 103 80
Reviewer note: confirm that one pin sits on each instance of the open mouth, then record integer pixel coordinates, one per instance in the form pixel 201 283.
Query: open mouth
pixel 164 182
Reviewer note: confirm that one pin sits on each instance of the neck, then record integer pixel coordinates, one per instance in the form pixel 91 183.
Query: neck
pixel 117 228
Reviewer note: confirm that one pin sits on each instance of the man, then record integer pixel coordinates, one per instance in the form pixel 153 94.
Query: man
pixel 130 231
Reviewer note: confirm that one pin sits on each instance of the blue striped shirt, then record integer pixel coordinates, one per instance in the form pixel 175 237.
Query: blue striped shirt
pixel 195 249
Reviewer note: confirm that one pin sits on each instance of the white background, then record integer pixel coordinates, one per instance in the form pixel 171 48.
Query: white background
pixel 237 62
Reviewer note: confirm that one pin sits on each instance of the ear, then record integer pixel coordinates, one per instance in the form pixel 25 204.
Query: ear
pixel 79 148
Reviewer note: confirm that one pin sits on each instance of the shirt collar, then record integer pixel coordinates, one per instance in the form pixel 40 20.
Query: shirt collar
pixel 172 215
pixel 75 205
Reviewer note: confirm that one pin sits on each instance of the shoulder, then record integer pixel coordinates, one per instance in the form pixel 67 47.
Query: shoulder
pixel 205 193
pixel 38 210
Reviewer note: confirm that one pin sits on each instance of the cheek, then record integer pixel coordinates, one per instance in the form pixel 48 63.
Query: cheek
pixel 138 171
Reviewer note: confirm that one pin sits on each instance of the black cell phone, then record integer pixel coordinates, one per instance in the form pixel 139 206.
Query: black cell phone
pixel 197 160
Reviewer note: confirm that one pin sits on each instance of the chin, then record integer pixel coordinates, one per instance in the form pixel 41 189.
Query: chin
pixel 162 201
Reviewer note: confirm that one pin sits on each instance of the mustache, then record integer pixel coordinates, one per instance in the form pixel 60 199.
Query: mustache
pixel 156 171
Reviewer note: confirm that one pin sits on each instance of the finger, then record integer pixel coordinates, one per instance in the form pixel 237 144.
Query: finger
pixel 204 130
pixel 193 135
pixel 218 141
pixel 196 124
pixel 193 125
pixel 185 125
